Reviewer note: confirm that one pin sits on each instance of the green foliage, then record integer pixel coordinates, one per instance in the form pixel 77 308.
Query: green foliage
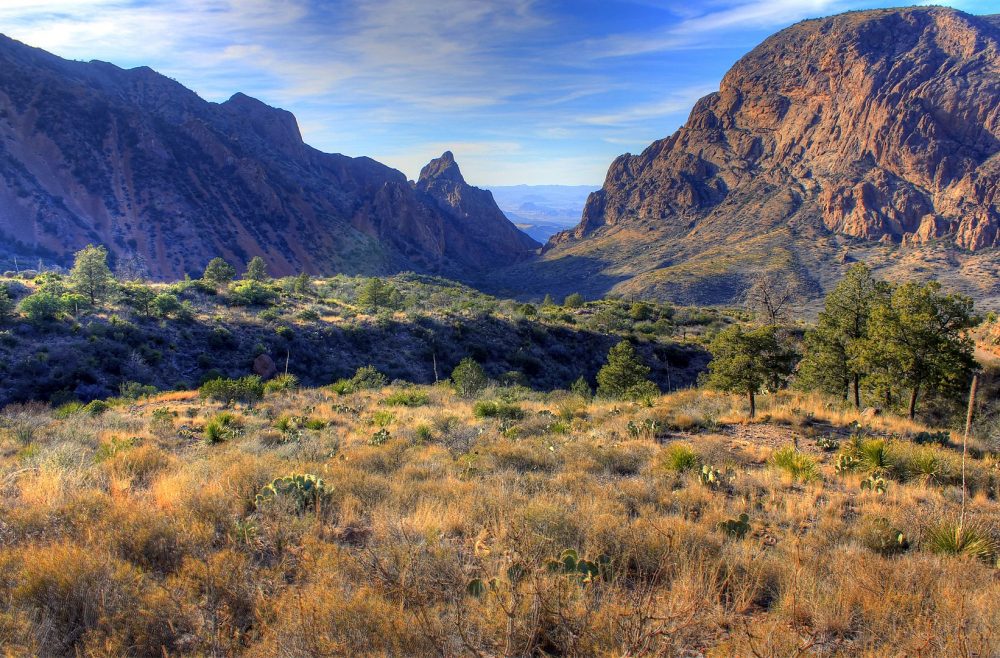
pixel 574 300
pixel 6 304
pixel 829 363
pixel 164 304
pixel 681 457
pixel 827 443
pixel 135 390
pixel 252 292
pixel 91 275
pixel 366 378
pixel 624 375
pixel 799 466
pixel 382 418
pixel 469 378
pixel 222 427
pixel 407 398
pixel 247 390
pixel 582 388
pixel 42 307
pixel 497 409
pixel 139 296
pixel 942 438
pixel 378 295
pixel 748 360
pixel 713 478
pixel 304 491
pixel 965 541
pixel 256 270
pixel 281 382
pixel 218 273
pixel 95 407
pixel 736 528
pixel 918 341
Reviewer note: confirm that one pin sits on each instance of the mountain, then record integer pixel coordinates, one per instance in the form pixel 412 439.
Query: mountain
pixel 133 160
pixel 541 211
pixel 870 135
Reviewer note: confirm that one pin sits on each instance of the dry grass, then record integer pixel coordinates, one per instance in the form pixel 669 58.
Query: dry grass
pixel 128 534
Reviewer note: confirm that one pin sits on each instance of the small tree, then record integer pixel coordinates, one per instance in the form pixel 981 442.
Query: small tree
pixel 138 296
pixel 218 272
pixel 91 275
pixel 830 364
pixel 6 304
pixel 256 270
pixel 469 378
pixel 574 300
pixel 625 375
pixel 42 306
pixel 917 339
pixel 376 294
pixel 582 388
pixel 747 361
pixel 165 303
pixel 302 284
pixel 769 297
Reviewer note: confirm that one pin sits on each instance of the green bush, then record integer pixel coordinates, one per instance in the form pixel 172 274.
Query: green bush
pixel 407 398
pixel 247 390
pixel 251 293
pixel 798 466
pixel 366 378
pixel 469 378
pixel 222 427
pixel 42 307
pixel 282 382
pixel 967 541
pixel 681 458
pixel 497 409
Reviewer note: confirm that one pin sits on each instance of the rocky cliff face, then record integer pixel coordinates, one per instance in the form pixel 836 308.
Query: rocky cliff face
pixel 133 160
pixel 867 127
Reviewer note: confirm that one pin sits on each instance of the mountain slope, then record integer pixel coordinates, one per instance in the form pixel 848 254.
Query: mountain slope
pixel 131 159
pixel 872 135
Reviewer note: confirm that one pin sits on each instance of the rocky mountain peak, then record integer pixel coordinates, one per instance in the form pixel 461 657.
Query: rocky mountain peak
pixel 443 168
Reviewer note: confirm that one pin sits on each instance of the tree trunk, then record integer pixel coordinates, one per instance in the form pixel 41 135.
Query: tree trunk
pixel 753 406
pixel 913 401
pixel 857 391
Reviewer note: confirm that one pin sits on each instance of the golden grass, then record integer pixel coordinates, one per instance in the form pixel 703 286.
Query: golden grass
pixel 121 536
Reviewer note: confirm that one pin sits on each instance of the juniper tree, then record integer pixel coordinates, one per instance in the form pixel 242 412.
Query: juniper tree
pixel 91 275
pixel 747 361
pixel 218 272
pixel 625 376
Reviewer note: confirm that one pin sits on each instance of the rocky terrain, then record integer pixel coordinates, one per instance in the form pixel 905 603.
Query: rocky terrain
pixel 131 159
pixel 870 135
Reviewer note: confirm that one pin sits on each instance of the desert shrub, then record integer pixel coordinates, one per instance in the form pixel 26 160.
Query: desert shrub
pixel 680 458
pixel 469 378
pixel 965 541
pixel 407 398
pixel 135 390
pixel 251 293
pixel 222 427
pixel 880 536
pixel 42 307
pixel 247 390
pixel 281 382
pixel 382 418
pixel 96 407
pixel 366 378
pixel 796 465
pixel 497 409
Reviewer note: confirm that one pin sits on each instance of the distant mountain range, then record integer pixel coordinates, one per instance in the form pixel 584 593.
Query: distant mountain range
pixel 870 135
pixel 541 211
pixel 133 160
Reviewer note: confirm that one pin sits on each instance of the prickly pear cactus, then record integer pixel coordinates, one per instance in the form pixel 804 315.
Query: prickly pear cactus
pixel 875 484
pixel 736 528
pixel 305 490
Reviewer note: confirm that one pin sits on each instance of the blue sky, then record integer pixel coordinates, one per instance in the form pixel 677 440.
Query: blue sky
pixel 522 91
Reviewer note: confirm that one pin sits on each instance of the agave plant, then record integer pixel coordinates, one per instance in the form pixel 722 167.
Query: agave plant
pixel 967 541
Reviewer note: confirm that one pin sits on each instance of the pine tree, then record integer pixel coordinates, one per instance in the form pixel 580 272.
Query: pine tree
pixel 469 378
pixel 625 375
pixel 748 361
pixel 218 272
pixel 830 363
pixel 256 270
pixel 917 340
pixel 91 275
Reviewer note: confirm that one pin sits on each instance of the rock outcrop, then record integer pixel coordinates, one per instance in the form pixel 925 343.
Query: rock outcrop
pixel 90 152
pixel 872 127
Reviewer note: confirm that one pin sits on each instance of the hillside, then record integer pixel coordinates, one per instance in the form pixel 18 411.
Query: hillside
pixel 869 136
pixel 91 153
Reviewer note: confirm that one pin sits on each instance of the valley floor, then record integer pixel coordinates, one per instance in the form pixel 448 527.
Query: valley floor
pixel 520 524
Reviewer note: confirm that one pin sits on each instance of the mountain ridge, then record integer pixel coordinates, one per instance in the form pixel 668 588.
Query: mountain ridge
pixel 131 159
pixel 870 135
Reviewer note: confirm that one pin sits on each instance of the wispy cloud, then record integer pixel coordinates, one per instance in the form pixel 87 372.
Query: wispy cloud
pixel 545 90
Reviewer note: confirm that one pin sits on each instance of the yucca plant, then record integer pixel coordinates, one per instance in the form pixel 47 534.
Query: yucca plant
pixel 681 457
pixel 797 465
pixel 966 541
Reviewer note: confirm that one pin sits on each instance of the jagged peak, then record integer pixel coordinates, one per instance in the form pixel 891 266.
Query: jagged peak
pixel 443 168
